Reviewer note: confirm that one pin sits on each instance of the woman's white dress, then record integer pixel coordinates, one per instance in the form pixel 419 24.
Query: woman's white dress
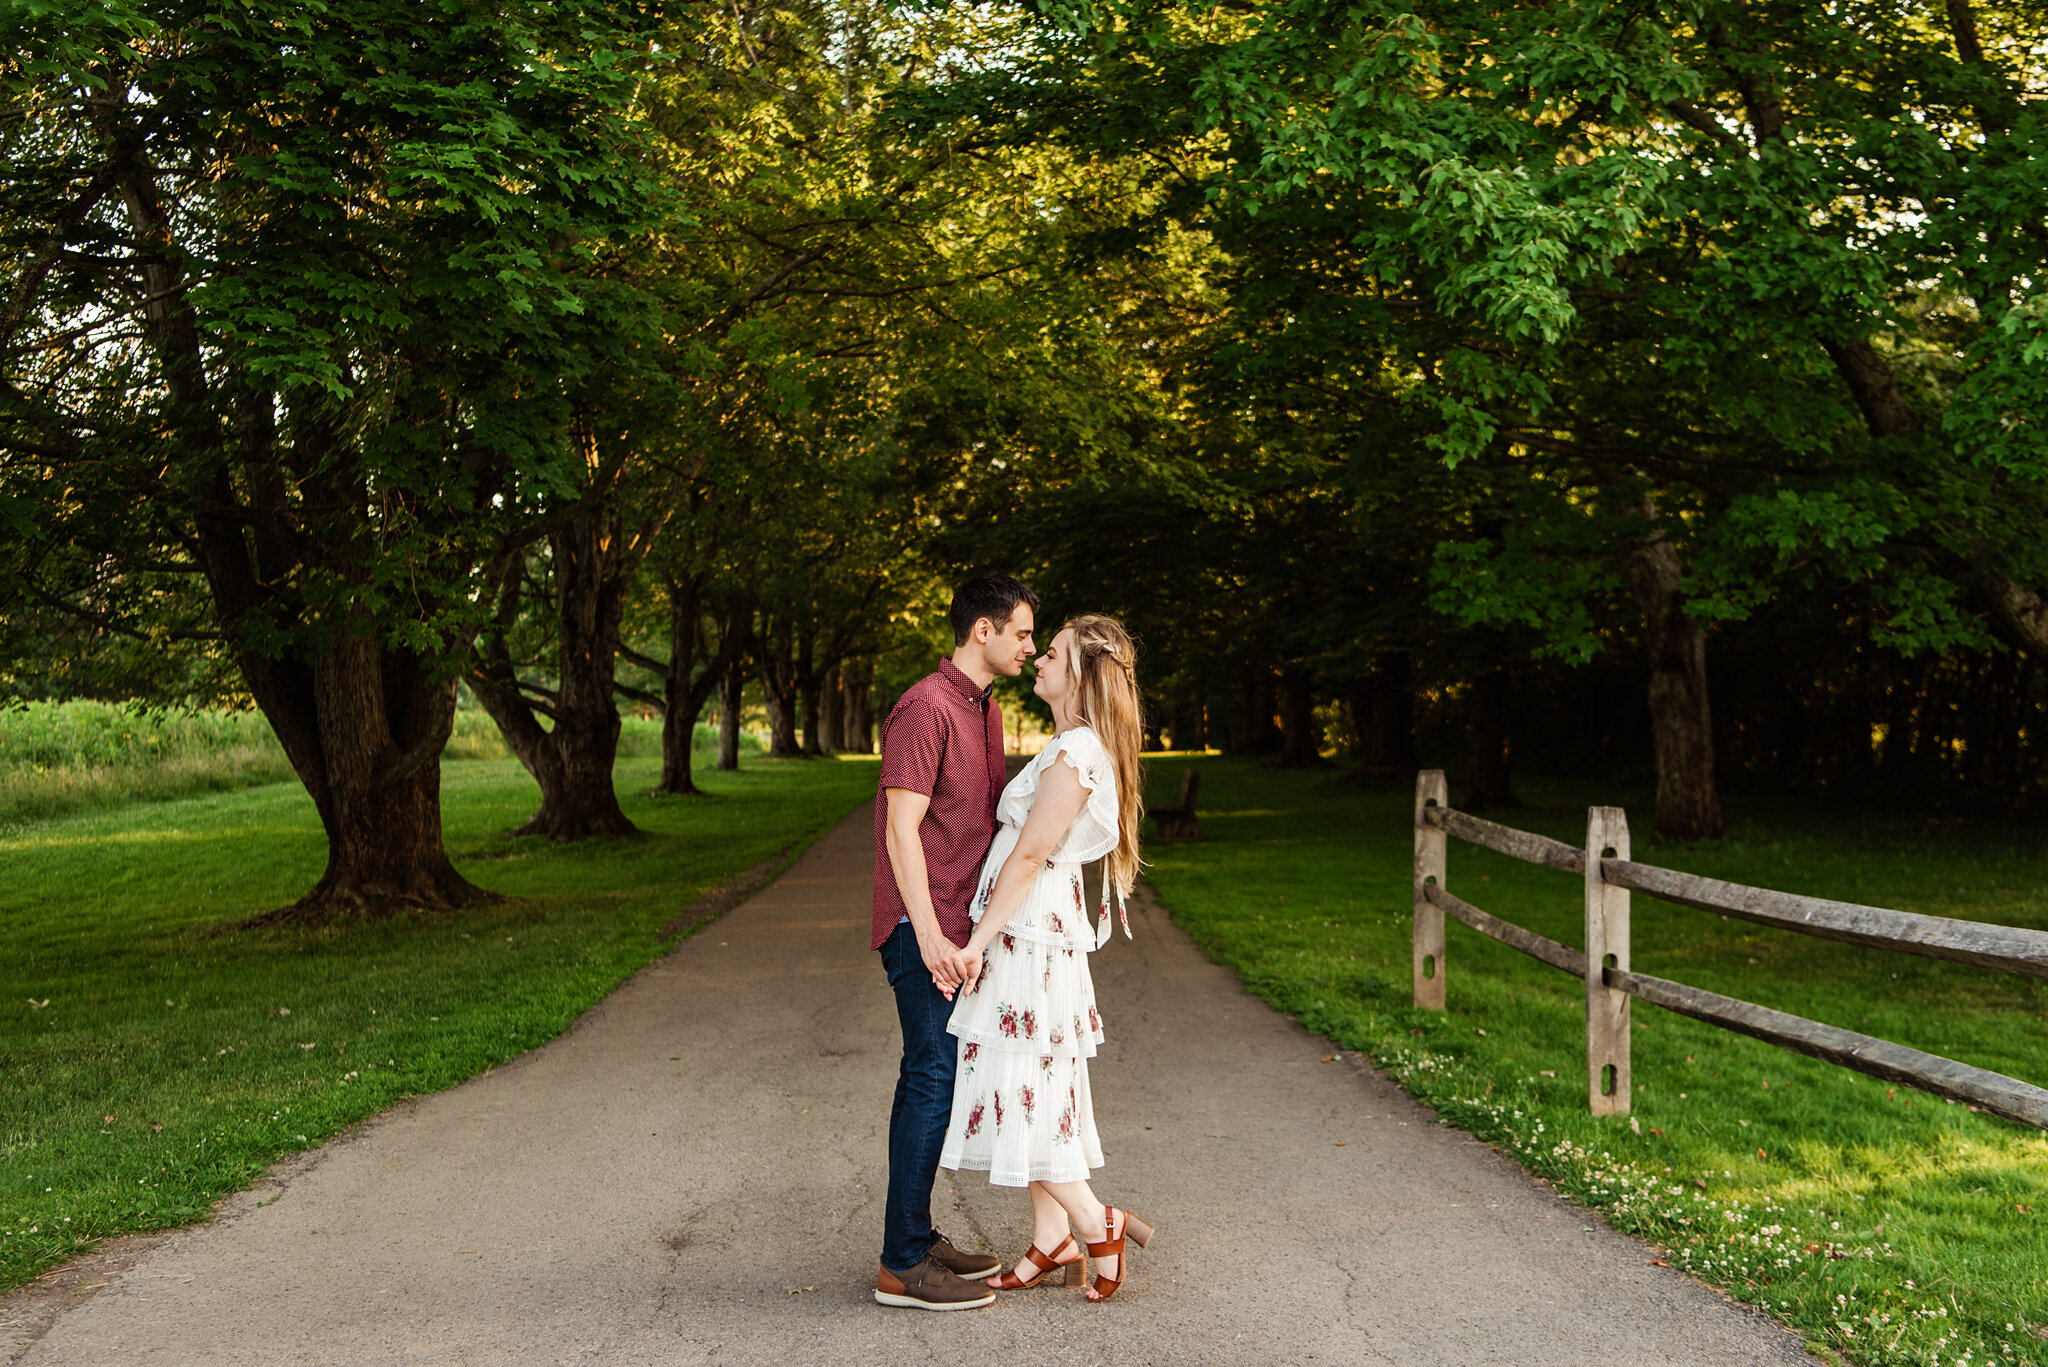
pixel 1021 1110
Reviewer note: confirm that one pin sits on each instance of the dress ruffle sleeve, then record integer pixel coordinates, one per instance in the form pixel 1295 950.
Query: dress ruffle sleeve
pixel 1094 832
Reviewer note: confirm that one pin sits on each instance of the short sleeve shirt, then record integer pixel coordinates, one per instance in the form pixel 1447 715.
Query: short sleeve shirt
pixel 944 738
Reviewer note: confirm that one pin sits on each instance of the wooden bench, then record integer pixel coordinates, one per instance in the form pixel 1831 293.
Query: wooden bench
pixel 1178 822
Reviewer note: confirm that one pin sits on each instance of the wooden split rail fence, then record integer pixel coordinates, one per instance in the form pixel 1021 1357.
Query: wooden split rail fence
pixel 1610 876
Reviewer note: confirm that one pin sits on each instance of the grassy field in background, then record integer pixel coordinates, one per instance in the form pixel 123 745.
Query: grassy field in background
pixel 153 1058
pixel 58 757
pixel 1884 1224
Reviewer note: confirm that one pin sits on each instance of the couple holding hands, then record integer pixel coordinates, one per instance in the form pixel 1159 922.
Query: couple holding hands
pixel 984 933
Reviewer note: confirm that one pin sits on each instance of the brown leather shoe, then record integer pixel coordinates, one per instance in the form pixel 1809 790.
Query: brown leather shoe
pixel 930 1286
pixel 972 1266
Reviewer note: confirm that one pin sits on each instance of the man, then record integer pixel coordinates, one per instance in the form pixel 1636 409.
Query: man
pixel 942 772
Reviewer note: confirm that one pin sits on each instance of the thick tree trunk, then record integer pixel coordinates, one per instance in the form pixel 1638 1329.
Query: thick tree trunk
pixel 832 713
pixel 859 726
pixel 775 656
pixel 685 687
pixel 1300 742
pixel 573 762
pixel 733 698
pixel 1688 802
pixel 365 727
pixel 1487 722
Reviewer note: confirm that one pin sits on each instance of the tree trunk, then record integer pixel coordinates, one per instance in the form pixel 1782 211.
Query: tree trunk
pixel 1487 722
pixel 685 686
pixel 809 685
pixel 832 713
pixel 1260 736
pixel 775 655
pixel 1390 720
pixel 364 726
pixel 859 731
pixel 1688 803
pixel 573 762
pixel 733 698
pixel 363 722
pixel 1299 743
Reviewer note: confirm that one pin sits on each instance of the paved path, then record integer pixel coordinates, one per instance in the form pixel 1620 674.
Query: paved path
pixel 694 1174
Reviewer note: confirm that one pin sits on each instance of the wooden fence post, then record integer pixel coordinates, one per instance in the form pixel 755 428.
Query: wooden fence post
pixel 1429 919
pixel 1607 1013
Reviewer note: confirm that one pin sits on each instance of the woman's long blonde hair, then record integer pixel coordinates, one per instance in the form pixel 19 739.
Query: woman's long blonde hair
pixel 1102 685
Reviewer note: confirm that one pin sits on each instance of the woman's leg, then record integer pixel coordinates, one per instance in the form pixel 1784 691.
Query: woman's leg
pixel 1091 1220
pixel 1049 1229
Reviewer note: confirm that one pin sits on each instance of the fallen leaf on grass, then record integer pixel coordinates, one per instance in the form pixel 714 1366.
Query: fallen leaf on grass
pixel 1477 1031
pixel 1547 1072
pixel 309 1046
pixel 1761 1154
pixel 39 1005
pixel 1659 1262
pixel 2024 1210
pixel 1654 1130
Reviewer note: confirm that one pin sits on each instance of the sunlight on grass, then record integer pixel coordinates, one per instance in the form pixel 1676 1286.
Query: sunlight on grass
pixel 1884 1224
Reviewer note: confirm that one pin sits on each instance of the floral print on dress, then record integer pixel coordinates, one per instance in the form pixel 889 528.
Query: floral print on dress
pixel 1021 1029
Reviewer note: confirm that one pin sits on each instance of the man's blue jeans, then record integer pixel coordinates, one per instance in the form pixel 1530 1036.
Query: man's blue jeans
pixel 924 1102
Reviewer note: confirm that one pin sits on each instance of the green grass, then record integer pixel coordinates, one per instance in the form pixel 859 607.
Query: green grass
pixel 1885 1225
pixel 58 757
pixel 153 1058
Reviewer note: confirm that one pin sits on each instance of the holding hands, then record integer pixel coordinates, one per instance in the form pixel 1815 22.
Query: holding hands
pixel 953 969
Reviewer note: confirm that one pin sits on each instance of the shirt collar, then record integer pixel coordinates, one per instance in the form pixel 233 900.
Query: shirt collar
pixel 963 685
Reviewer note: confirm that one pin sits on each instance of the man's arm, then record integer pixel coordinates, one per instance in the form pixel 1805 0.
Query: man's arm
pixel 948 964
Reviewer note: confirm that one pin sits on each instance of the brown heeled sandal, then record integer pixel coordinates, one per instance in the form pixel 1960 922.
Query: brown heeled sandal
pixel 1133 1228
pixel 1075 1273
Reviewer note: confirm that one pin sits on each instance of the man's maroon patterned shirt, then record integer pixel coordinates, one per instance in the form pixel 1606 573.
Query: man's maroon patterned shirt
pixel 944 738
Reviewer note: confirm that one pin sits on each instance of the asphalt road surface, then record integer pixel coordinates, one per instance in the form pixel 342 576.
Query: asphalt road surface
pixel 694 1175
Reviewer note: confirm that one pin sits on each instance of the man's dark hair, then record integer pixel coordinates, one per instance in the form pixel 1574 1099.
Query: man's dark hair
pixel 994 596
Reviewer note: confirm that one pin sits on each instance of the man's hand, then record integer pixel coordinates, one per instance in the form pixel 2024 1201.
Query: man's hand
pixel 946 961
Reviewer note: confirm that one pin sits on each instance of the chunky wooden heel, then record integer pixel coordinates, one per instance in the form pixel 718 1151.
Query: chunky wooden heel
pixel 1121 1224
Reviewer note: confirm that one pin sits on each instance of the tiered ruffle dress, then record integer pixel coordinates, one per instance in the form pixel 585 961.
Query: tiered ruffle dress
pixel 1021 1110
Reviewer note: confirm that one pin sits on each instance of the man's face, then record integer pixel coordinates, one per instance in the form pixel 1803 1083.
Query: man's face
pixel 1008 647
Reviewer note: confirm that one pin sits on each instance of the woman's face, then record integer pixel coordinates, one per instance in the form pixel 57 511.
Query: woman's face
pixel 1051 683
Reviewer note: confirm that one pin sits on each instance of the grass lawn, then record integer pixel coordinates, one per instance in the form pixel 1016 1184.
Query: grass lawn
pixel 1886 1225
pixel 153 1058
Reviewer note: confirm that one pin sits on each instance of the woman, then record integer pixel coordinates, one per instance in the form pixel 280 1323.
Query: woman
pixel 1027 1022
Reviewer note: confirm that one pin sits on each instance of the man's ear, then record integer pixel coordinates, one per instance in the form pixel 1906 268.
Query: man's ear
pixel 984 630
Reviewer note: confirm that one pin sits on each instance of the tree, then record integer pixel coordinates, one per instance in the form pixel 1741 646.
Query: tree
pixel 293 296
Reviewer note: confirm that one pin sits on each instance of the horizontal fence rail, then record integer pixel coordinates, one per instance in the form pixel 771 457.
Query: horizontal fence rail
pixel 1982 1088
pixel 1610 876
pixel 2008 948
